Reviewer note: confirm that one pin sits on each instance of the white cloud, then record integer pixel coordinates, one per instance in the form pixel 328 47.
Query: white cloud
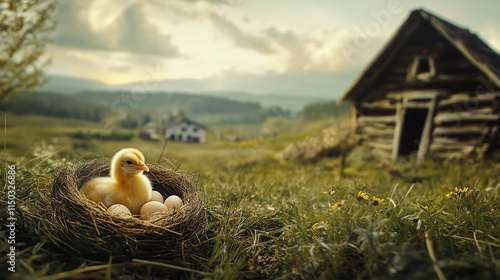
pixel 241 38
pixel 119 39
pixel 128 31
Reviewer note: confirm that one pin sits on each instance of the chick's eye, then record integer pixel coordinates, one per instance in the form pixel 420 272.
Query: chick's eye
pixel 129 162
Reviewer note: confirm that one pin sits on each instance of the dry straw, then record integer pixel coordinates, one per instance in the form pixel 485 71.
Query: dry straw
pixel 85 228
pixel 331 140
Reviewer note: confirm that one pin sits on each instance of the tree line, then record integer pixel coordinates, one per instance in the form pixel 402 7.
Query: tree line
pixel 53 105
pixel 163 102
pixel 95 106
pixel 322 111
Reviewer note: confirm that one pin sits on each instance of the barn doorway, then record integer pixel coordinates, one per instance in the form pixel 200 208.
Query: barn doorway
pixel 412 130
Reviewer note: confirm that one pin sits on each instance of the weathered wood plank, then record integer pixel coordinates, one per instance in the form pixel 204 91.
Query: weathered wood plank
pixel 416 94
pixel 472 116
pixel 455 141
pixel 460 151
pixel 394 95
pixel 375 131
pixel 456 77
pixel 450 147
pixel 387 137
pixel 461 130
pixel 377 119
pixel 380 104
pixel 466 98
pixel 378 112
pixel 483 110
pixel 377 125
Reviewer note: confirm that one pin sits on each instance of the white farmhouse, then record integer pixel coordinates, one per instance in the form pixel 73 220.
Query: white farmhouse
pixel 186 130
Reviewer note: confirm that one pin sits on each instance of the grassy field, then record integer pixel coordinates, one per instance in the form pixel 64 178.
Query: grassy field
pixel 276 219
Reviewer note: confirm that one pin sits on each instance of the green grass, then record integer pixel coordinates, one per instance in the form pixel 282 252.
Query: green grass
pixel 274 219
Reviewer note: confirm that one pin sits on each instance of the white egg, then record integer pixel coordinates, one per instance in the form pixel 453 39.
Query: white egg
pixel 119 209
pixel 173 202
pixel 156 196
pixel 152 207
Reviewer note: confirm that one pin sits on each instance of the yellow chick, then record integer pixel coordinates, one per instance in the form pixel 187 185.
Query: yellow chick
pixel 127 185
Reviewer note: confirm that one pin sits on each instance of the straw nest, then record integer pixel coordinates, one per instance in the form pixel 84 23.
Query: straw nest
pixel 86 228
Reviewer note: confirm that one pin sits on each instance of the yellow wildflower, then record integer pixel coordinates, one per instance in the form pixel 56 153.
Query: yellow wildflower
pixel 458 193
pixel 362 196
pixel 425 208
pixel 338 204
pixel 330 192
pixel 376 201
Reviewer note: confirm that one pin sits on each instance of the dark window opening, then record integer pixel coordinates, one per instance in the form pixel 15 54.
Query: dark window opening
pixel 179 137
pixel 422 69
pixel 195 129
pixel 412 130
pixel 172 136
pixel 183 129
pixel 424 66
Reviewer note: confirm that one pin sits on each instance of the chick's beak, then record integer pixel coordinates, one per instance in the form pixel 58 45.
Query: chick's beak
pixel 142 166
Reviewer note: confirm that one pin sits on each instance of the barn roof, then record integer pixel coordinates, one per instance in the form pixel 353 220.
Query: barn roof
pixel 184 120
pixel 467 43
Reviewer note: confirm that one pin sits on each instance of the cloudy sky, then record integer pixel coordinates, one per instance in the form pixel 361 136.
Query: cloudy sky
pixel 122 41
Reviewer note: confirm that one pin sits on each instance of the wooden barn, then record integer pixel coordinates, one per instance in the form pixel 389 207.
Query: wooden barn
pixel 433 89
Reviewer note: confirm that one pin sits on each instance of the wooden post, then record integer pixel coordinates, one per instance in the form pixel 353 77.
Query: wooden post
pixel 426 133
pixel 400 114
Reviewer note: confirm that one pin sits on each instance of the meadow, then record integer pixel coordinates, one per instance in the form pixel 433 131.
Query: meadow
pixel 275 219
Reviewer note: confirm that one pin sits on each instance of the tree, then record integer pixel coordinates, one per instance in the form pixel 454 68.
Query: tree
pixel 147 119
pixel 22 25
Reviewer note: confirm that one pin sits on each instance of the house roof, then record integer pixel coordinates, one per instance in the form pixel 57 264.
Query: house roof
pixel 467 43
pixel 184 120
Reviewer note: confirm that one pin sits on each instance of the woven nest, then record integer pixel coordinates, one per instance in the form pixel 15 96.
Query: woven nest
pixel 86 228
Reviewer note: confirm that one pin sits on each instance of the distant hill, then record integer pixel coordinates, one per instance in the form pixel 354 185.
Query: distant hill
pixel 290 91
pixel 71 85
pixel 292 103
pixel 323 85
pixel 163 103
pixel 94 106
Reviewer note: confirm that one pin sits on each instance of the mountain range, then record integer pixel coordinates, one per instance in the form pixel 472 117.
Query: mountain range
pixel 289 91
